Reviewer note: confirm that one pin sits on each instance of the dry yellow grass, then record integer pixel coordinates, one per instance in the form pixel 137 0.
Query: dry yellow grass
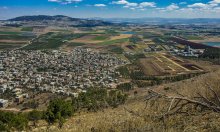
pixel 89 39
pixel 121 36
pixel 208 39
pixel 142 117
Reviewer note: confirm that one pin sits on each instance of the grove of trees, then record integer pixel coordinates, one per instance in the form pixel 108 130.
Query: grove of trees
pixel 59 109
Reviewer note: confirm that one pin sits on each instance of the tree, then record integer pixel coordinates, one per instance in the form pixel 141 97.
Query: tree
pixel 58 109
pixel 35 116
pixel 9 120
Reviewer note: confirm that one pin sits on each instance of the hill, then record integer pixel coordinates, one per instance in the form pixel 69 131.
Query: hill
pixel 60 19
pixel 153 21
pixel 139 115
pixel 43 18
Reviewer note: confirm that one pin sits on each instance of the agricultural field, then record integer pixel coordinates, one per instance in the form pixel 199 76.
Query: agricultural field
pixel 11 38
pixel 101 39
pixel 163 64
pixel 51 40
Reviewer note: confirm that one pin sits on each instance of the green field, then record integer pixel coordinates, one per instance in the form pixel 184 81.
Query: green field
pixel 15 37
pixel 193 37
pixel 27 29
pixel 9 45
pixel 100 38
pixel 8 33
pixel 75 44
pixel 117 50
pixel 51 41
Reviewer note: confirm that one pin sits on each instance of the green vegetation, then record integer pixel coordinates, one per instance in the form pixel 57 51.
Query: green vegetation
pixel 112 32
pixel 51 41
pixel 135 57
pixel 72 44
pixel 135 39
pixel 96 99
pixel 12 43
pixel 193 37
pixel 125 87
pixel 58 110
pixel 35 116
pixel 117 50
pixel 15 37
pixel 150 35
pixel 29 29
pixel 100 38
pixel 139 77
pixel 9 46
pixel 9 33
pixel 10 121
pixel 124 71
pixel 211 53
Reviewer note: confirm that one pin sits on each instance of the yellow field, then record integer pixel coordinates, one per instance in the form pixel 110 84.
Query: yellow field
pixel 90 38
pixel 121 36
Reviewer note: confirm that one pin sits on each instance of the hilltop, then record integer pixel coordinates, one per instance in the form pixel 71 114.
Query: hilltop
pixel 45 19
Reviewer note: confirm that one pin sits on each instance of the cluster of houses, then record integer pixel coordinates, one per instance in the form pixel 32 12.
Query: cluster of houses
pixel 3 103
pixel 187 52
pixel 153 48
pixel 56 71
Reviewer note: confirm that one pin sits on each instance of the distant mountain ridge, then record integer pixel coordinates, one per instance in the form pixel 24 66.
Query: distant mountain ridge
pixel 158 20
pixel 42 18
pixel 113 21
pixel 60 19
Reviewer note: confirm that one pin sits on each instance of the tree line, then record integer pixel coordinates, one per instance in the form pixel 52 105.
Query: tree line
pixel 59 110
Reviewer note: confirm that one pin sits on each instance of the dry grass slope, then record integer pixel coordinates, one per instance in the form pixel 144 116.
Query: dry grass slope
pixel 135 115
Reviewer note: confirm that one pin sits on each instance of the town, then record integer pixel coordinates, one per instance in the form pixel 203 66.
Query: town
pixel 57 72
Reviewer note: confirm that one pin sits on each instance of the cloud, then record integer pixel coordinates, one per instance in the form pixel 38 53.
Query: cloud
pixel 198 5
pixel 100 5
pixel 133 8
pixel 147 4
pixel 183 3
pixel 65 1
pixel 210 5
pixel 172 7
pixel 120 2
pixel 215 2
pixel 133 5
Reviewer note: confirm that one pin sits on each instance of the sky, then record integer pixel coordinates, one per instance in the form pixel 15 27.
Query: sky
pixel 112 8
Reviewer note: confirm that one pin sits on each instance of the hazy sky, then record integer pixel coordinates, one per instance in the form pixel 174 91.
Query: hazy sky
pixel 112 8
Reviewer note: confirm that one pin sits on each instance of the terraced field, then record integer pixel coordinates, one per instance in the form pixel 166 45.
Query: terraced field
pixel 163 64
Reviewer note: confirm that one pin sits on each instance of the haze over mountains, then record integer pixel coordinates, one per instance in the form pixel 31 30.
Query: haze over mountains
pixel 162 20
pixel 109 21
pixel 60 19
